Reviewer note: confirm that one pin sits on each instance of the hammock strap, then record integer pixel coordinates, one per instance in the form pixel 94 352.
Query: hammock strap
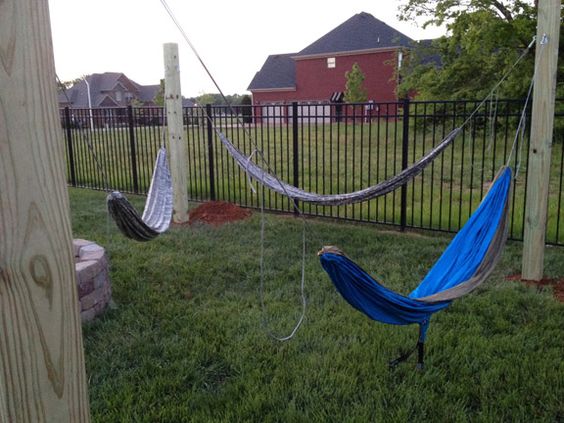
pixel 419 346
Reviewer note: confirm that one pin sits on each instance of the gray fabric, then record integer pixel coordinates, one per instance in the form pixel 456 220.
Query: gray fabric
pixel 382 188
pixel 158 207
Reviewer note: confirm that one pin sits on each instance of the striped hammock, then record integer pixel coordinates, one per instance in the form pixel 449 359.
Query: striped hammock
pixel 158 208
pixel 260 174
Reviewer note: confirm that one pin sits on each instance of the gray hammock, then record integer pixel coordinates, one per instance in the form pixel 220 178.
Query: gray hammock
pixel 158 208
pixel 382 188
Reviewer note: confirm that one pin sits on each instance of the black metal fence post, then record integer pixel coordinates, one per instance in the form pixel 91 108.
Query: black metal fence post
pixel 132 150
pixel 72 167
pixel 209 121
pixel 295 154
pixel 404 154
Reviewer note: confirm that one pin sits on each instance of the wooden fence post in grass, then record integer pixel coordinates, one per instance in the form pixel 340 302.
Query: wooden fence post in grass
pixel 42 375
pixel 175 125
pixel 546 60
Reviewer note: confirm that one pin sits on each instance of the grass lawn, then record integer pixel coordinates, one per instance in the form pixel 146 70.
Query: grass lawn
pixel 185 341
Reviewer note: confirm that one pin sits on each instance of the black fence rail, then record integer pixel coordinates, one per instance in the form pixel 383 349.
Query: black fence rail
pixel 327 148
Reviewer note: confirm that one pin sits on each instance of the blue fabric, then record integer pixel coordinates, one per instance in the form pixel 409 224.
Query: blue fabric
pixel 457 264
pixel 372 298
pixel 466 251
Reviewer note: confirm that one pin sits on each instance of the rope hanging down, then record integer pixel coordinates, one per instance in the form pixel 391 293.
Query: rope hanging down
pixel 267 168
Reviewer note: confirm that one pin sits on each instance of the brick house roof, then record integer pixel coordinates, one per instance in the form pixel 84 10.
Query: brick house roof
pixel 278 72
pixel 361 32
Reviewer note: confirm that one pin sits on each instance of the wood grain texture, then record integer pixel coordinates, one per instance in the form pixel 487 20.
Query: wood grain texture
pixel 540 149
pixel 42 376
pixel 176 142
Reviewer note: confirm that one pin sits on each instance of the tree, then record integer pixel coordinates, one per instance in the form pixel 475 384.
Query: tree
pixel 484 39
pixel 354 90
pixel 246 108
pixel 207 98
pixel 159 96
pixel 65 85
pixel 217 100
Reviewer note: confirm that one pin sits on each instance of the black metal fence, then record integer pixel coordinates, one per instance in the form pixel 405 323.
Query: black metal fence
pixel 327 148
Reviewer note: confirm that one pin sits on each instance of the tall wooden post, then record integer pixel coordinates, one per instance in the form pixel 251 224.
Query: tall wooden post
pixel 175 123
pixel 42 376
pixel 546 61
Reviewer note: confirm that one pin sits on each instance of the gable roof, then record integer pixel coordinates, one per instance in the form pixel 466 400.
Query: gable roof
pixel 278 72
pixel 186 102
pixel 100 85
pixel 148 92
pixel 361 32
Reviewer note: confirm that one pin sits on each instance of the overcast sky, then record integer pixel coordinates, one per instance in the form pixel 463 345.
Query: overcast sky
pixel 233 37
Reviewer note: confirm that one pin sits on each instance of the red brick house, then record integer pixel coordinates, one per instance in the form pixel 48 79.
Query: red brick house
pixel 316 74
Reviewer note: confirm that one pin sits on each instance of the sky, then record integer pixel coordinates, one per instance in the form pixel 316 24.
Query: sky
pixel 233 38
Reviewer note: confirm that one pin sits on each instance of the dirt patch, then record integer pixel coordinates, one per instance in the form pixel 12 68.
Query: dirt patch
pixel 217 213
pixel 556 284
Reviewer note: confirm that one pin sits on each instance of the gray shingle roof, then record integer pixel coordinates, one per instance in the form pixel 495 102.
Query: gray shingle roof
pixel 187 102
pixel 361 32
pixel 148 92
pixel 105 81
pixel 279 71
pixel 101 84
pixel 427 53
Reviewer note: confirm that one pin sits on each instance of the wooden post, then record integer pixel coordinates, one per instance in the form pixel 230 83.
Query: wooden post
pixel 175 124
pixel 546 60
pixel 42 375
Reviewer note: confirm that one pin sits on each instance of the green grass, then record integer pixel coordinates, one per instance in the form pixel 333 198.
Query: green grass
pixel 185 340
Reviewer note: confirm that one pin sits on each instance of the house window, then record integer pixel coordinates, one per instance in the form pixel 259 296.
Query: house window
pixel 118 95
pixel 330 62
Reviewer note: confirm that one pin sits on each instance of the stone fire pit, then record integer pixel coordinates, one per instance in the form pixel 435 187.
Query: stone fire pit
pixel 92 278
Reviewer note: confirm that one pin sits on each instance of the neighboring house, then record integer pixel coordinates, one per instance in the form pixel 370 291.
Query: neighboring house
pixel 187 102
pixel 108 89
pixel 316 74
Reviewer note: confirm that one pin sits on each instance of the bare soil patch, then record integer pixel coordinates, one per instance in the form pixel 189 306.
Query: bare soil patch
pixel 556 284
pixel 217 213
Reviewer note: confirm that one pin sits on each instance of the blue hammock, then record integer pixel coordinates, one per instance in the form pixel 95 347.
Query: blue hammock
pixel 465 264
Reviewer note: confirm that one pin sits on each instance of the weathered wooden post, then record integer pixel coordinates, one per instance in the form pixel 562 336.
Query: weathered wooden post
pixel 546 61
pixel 175 123
pixel 42 375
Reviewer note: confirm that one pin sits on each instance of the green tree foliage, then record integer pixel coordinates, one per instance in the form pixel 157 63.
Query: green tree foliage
pixel 217 100
pixel 485 37
pixel 246 108
pixel 159 96
pixel 354 90
pixel 63 86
